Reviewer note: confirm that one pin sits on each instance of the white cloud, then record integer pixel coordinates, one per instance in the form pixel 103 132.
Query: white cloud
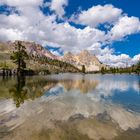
pixel 46 30
pixel 55 52
pixel 98 15
pixel 125 26
pixel 108 14
pixel 13 21
pixel 97 50
pixel 121 60
pixel 22 2
pixel 10 34
pixel 136 58
pixel 32 25
pixel 58 6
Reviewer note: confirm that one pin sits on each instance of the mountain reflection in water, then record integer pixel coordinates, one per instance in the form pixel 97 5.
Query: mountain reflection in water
pixel 55 108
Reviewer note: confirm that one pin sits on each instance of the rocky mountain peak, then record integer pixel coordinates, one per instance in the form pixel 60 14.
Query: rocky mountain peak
pixel 68 54
pixel 40 58
pixel 32 48
pixel 90 61
pixel 85 52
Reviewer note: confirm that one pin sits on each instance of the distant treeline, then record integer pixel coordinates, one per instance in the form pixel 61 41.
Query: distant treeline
pixel 133 69
pixel 54 63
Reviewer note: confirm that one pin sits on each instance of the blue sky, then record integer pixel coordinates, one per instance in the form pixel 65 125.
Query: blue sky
pixel 110 29
pixel 131 45
pixel 131 7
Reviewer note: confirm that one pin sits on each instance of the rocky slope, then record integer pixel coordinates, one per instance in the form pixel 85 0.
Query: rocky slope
pixel 31 47
pixel 43 59
pixel 40 59
pixel 90 61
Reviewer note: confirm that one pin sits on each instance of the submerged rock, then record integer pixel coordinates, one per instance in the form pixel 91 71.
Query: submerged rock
pixel 76 117
pixel 104 117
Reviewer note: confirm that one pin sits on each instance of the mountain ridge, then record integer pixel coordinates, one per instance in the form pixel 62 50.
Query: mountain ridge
pixel 42 58
pixel 90 61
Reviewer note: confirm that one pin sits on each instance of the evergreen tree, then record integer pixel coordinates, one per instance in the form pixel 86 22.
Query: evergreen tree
pixel 19 56
pixel 83 69
pixel 138 67
pixel 103 70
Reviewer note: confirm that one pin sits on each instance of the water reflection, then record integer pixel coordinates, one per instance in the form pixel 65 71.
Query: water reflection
pixel 18 92
pixel 82 85
pixel 54 107
pixel 20 89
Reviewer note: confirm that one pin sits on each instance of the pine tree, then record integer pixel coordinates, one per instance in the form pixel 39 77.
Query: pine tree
pixel 83 69
pixel 138 67
pixel 19 56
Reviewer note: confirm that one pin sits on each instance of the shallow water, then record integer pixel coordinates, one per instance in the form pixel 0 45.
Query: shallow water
pixel 70 107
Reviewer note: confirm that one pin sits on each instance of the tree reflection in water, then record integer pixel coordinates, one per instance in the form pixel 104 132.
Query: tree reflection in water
pixel 19 93
pixel 27 88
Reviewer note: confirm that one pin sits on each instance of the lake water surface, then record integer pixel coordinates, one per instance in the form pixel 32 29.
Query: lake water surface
pixel 70 107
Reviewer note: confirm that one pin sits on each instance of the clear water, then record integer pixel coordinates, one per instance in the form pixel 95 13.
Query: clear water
pixel 70 107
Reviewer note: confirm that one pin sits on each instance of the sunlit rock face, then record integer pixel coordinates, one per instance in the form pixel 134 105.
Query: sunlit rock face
pixel 90 61
pixel 40 58
pixel 62 111
pixel 33 50
pixel 31 47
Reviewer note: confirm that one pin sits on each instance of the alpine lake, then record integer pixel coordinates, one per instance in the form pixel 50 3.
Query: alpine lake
pixel 70 107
